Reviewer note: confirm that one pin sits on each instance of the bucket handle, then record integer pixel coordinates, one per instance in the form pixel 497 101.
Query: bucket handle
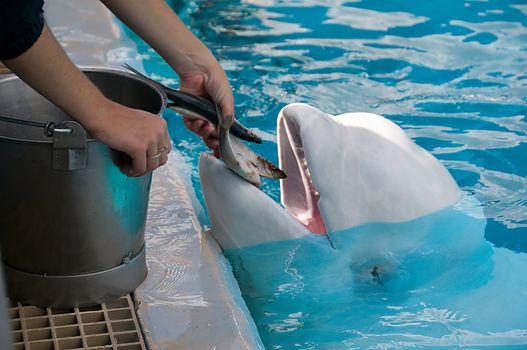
pixel 69 142
pixel 49 128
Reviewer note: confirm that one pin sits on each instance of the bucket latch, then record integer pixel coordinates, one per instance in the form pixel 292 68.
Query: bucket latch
pixel 69 146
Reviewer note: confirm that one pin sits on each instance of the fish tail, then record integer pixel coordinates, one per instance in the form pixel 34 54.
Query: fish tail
pixel 136 72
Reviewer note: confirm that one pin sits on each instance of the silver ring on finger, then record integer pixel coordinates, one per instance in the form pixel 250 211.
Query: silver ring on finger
pixel 154 157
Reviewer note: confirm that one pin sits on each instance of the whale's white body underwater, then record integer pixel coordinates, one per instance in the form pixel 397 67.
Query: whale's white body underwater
pixel 388 206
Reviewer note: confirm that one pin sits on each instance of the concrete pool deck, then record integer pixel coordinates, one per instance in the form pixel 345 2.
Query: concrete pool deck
pixel 189 299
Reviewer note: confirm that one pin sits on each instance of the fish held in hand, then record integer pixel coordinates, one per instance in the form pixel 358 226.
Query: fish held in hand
pixel 197 107
pixel 240 158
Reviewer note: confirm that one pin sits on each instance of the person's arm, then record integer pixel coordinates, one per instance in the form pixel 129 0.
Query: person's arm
pixel 199 71
pixel 46 67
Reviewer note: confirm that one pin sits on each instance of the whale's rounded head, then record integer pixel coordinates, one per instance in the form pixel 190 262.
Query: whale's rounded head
pixel 354 168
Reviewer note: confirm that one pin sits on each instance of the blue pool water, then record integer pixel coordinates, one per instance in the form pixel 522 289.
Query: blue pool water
pixel 452 74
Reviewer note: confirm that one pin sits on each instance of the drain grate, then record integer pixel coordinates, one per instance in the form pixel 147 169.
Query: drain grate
pixel 112 325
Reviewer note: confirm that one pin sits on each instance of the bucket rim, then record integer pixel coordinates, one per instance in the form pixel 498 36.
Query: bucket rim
pixel 119 72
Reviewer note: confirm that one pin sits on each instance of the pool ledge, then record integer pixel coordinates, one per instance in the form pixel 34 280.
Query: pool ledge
pixel 190 299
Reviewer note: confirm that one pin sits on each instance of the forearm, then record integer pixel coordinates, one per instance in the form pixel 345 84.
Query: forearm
pixel 47 69
pixel 160 27
pixel 199 72
pixel 142 135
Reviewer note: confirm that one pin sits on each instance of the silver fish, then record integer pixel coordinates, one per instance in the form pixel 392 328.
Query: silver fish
pixel 240 158
pixel 196 107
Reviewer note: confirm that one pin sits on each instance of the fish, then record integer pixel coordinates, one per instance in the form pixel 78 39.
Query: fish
pixel 197 107
pixel 240 158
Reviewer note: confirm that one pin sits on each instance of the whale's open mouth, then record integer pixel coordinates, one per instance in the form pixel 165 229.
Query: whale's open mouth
pixel 298 193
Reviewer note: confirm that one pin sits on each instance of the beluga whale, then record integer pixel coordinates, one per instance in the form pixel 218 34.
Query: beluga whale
pixel 342 171
pixel 373 244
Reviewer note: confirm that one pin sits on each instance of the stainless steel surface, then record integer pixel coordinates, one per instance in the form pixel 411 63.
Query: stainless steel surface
pixel 113 325
pixel 69 146
pixel 5 336
pixel 58 223
pixel 62 131
pixel 79 290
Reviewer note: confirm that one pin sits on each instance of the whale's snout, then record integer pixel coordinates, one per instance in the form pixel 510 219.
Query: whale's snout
pixel 242 215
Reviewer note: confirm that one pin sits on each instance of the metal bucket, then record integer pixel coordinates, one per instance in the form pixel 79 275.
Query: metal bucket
pixel 71 224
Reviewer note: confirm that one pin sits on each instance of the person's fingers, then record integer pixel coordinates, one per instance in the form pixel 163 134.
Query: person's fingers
pixel 209 136
pixel 126 169
pixel 157 146
pixel 163 158
pixel 212 143
pixel 195 125
pixel 219 89
pixel 164 149
pixel 188 122
pixel 138 163
pixel 215 85
pixel 168 142
pixel 152 157
pixel 191 125
pixel 163 145
pixel 227 103
pixel 193 84
pixel 207 131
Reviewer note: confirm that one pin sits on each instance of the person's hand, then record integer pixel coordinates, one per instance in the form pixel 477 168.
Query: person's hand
pixel 209 81
pixel 141 135
pixel 199 71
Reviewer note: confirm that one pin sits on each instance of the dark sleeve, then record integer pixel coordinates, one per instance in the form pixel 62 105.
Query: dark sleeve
pixel 21 24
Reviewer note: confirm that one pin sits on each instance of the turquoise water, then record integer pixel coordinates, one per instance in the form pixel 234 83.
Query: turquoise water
pixel 453 75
